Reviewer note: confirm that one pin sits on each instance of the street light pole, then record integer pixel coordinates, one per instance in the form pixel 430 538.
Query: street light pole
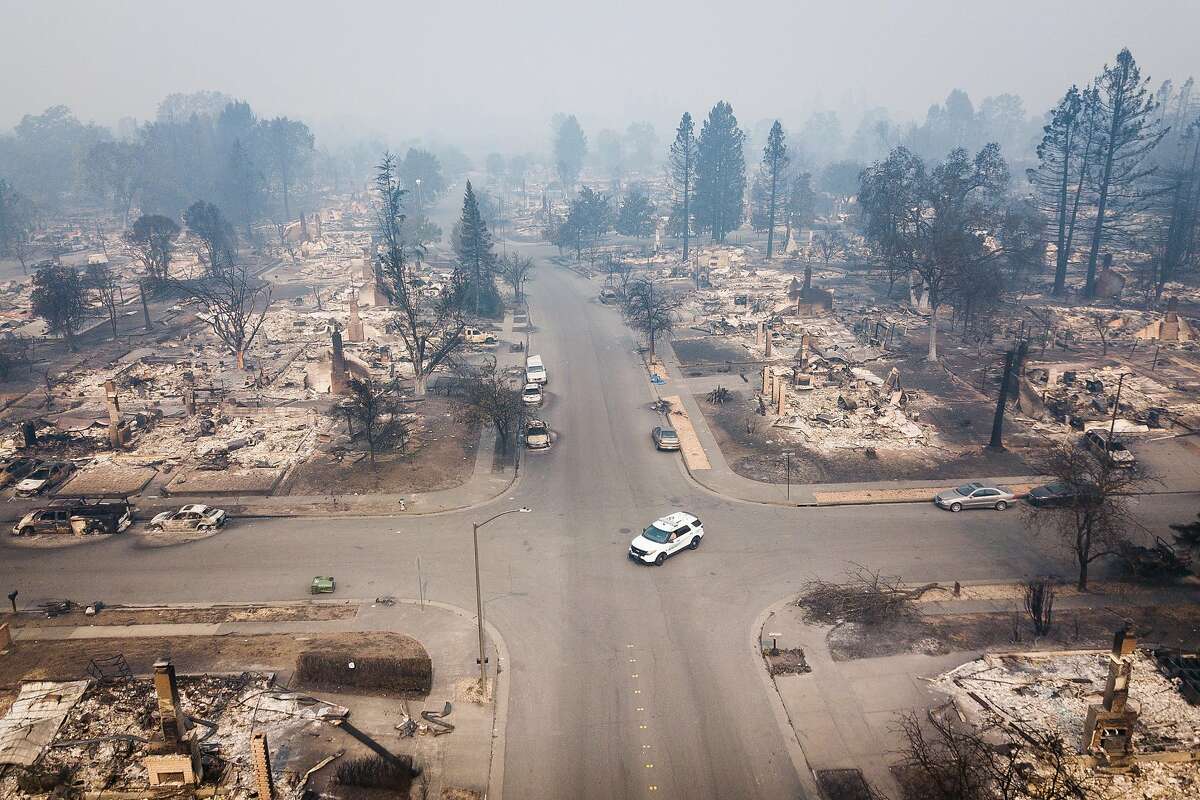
pixel 475 526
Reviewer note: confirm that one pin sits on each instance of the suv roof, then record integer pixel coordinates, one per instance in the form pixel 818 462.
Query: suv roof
pixel 676 520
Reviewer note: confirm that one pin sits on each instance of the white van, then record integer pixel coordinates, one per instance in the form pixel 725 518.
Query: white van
pixel 535 371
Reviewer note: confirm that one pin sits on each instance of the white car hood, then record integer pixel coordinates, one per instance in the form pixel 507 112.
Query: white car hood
pixel 160 517
pixel 644 544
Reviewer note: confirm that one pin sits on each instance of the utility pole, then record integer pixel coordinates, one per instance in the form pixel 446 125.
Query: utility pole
pixel 1112 426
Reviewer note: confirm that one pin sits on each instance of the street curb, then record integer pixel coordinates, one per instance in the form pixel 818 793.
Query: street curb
pixel 804 770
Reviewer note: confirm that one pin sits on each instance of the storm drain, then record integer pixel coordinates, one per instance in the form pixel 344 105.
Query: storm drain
pixel 843 784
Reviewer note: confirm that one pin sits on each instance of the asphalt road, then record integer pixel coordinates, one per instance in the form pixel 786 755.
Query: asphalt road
pixel 623 677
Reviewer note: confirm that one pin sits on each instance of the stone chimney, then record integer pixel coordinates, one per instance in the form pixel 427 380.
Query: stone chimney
pixel 337 366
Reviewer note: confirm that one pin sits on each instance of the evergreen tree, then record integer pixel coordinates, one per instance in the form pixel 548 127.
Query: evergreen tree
pixel 60 297
pixel 774 162
pixel 1062 172
pixel 801 207
pixel 1127 130
pixel 473 245
pixel 636 215
pixel 570 148
pixel 720 173
pixel 683 175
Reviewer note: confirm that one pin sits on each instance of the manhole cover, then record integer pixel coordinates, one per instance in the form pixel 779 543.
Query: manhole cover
pixel 626 530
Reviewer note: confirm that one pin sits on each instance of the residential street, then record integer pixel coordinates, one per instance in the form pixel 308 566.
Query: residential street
pixel 626 681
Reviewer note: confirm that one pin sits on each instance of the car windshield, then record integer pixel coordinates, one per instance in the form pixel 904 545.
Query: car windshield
pixel 666 433
pixel 656 534
pixel 967 488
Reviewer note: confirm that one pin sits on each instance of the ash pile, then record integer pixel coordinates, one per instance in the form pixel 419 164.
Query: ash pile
pixel 168 733
pixel 1126 718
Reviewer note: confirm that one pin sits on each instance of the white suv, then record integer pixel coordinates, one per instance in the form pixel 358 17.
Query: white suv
pixel 666 537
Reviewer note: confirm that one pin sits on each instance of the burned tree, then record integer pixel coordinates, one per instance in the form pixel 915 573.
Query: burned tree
pixel 60 298
pixel 828 244
pixel 216 241
pixel 102 280
pixel 649 310
pixel 1127 130
pixel 492 399
pixel 1096 520
pixel 865 596
pixel 375 414
pixel 945 759
pixel 938 224
pixel 151 239
pixel 234 303
pixel 515 270
pixel 1062 174
pixel 1039 604
pixel 430 323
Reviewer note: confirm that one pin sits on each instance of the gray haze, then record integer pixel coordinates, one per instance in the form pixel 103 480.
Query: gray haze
pixel 492 73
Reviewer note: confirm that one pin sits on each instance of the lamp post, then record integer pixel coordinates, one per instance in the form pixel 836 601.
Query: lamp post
pixel 419 207
pixel 479 593
pixel 787 455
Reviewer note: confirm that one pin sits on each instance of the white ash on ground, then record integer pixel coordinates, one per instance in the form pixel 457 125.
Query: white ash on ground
pixel 1051 693
pixel 103 740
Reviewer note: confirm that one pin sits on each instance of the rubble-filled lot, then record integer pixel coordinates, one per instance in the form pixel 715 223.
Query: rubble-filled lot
pixel 860 401
pixel 203 426
pixel 1050 694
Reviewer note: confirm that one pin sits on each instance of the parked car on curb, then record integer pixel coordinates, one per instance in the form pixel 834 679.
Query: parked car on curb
pixel 609 296
pixel 194 517
pixel 16 468
pixel 665 438
pixel 975 495
pixel 535 370
pixel 77 516
pixel 531 395
pixel 1114 452
pixel 665 537
pixel 1059 495
pixel 45 476
pixel 537 435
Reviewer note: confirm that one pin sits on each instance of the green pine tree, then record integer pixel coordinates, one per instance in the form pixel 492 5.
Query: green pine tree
pixel 473 245
pixel 720 173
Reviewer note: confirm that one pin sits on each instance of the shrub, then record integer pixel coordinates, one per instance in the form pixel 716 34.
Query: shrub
pixel 385 674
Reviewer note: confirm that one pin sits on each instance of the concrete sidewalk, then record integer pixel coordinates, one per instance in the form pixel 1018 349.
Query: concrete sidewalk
pixel 714 473
pixel 463 758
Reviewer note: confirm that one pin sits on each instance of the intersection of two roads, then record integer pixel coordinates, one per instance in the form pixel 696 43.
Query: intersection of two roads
pixel 624 680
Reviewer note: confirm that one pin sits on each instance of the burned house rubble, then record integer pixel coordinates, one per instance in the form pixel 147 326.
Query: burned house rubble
pixel 126 736
pixel 833 365
pixel 176 413
pixel 1127 718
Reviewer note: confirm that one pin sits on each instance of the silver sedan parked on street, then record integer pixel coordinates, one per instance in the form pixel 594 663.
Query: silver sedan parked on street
pixel 975 495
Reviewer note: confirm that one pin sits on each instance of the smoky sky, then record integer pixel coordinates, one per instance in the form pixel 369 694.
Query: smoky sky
pixel 490 74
